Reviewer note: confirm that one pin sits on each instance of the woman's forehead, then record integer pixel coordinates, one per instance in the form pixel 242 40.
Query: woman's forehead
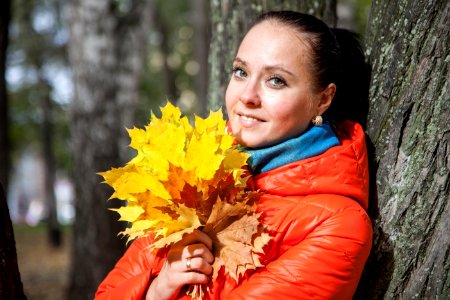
pixel 274 41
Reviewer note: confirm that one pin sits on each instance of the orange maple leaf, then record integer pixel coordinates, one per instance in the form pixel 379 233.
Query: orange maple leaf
pixel 233 229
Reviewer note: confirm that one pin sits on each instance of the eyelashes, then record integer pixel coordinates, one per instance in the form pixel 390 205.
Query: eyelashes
pixel 277 81
pixel 239 72
pixel 273 80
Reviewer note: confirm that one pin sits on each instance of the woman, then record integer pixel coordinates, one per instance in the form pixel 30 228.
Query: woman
pixel 285 77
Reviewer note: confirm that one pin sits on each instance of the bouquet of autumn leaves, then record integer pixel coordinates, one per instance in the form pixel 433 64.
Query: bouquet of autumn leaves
pixel 185 178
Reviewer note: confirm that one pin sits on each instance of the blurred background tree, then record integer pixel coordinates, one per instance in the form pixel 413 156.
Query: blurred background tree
pixel 5 17
pixel 107 47
pixel 10 283
pixel 11 287
pixel 177 58
pixel 36 56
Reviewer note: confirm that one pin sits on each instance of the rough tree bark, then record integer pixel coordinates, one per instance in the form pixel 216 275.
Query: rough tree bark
pixel 230 21
pixel 10 284
pixel 407 44
pixel 106 52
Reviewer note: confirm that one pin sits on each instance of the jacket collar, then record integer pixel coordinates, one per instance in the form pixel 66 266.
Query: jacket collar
pixel 342 170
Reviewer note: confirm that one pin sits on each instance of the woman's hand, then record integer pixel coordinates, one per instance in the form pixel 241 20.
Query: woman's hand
pixel 188 262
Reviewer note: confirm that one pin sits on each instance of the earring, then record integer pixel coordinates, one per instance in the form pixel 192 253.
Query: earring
pixel 317 120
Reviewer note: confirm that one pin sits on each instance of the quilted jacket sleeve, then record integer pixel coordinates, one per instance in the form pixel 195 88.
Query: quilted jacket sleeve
pixel 132 274
pixel 326 264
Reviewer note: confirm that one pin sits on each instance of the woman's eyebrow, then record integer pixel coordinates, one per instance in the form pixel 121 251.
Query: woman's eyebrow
pixel 278 68
pixel 238 60
pixel 267 67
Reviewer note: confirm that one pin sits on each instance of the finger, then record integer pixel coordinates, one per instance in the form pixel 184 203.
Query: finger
pixel 169 279
pixel 196 237
pixel 198 250
pixel 194 277
pixel 198 264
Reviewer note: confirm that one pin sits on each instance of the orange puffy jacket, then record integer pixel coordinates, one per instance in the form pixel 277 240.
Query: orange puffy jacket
pixel 323 236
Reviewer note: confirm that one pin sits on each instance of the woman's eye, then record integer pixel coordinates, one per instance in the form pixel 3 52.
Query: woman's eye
pixel 277 81
pixel 239 72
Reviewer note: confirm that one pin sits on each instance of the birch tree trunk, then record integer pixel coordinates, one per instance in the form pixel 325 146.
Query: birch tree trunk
pixel 407 44
pixel 230 21
pixel 106 52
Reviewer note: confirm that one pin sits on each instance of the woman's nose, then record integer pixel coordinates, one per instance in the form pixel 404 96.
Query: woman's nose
pixel 250 94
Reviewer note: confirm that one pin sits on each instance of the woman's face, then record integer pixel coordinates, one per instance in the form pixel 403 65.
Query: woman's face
pixel 271 97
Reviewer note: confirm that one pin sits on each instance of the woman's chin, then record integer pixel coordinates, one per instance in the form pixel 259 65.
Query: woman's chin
pixel 249 143
pixel 248 140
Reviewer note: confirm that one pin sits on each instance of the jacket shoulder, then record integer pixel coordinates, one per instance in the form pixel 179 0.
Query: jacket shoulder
pixel 133 272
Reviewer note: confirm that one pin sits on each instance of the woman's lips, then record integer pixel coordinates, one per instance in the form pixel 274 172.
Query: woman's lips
pixel 248 120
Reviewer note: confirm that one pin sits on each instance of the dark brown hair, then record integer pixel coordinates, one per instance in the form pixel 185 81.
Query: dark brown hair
pixel 336 57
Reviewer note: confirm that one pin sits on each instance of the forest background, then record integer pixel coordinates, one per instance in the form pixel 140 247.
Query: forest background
pixel 148 52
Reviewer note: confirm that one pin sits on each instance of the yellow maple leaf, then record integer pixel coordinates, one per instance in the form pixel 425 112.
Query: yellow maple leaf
pixel 201 155
pixel 174 229
pixel 138 138
pixel 170 113
pixel 129 213
pixel 214 122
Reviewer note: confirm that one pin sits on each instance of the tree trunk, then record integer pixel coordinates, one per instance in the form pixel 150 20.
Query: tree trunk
pixel 202 38
pixel 10 284
pixel 106 53
pixel 407 44
pixel 230 21
pixel 5 16
pixel 53 228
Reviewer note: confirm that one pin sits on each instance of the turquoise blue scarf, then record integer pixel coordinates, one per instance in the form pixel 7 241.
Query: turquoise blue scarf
pixel 313 142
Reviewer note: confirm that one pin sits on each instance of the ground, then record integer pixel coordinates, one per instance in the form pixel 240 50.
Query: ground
pixel 44 269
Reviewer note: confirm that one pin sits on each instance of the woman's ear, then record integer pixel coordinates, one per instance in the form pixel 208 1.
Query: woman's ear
pixel 326 96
